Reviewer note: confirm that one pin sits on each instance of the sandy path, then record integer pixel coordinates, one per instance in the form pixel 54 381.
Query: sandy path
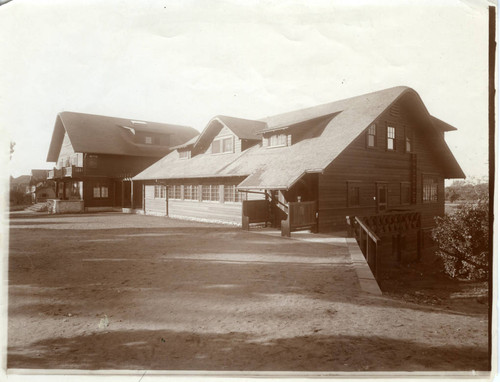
pixel 186 296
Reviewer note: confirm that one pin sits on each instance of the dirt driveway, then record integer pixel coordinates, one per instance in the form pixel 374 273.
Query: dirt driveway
pixel 115 291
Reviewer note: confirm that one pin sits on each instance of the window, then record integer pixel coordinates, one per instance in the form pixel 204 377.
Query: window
pixel 231 194
pixel 222 145
pixel 191 192
pixel 408 144
pixel 99 191
pixel 405 193
pixel 148 140
pixel 429 189
pixel 160 191
pixel 174 192
pixel 210 193
pixel 371 135
pixel 277 140
pixel 92 161
pixel 185 154
pixel 353 194
pixel 391 138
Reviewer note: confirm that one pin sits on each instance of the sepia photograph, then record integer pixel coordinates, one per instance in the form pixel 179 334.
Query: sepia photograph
pixel 247 189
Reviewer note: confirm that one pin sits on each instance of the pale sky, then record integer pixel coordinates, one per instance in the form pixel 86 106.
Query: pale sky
pixel 184 62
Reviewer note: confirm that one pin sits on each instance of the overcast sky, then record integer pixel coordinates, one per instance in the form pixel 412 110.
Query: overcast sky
pixel 185 61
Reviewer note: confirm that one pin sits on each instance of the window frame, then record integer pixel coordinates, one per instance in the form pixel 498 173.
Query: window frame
pixel 231 194
pixel 160 191
pixel 371 131
pixel 274 140
pixel 430 190
pixel 184 154
pixel 219 142
pixel 408 140
pixel 101 190
pixel 391 138
pixel 353 185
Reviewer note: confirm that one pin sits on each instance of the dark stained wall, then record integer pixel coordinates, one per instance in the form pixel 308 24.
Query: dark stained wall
pixel 366 168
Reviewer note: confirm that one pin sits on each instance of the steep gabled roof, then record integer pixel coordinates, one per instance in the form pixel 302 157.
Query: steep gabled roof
pixel 243 128
pixel 89 133
pixel 279 168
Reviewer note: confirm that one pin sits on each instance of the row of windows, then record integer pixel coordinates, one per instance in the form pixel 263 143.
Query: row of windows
pixel 209 192
pixel 429 193
pixel 391 137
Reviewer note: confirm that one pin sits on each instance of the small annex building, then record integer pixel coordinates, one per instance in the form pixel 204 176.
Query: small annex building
pixel 366 155
pixel 96 157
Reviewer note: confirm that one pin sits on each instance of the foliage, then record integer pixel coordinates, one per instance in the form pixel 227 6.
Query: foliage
pixel 466 190
pixel 462 240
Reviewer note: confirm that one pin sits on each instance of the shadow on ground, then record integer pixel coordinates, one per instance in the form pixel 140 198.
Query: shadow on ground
pixel 148 349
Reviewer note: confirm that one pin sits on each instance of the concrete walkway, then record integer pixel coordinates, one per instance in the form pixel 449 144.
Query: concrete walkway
pixel 365 276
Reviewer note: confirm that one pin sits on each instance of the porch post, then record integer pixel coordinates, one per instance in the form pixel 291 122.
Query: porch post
pixel 131 194
pixel 123 194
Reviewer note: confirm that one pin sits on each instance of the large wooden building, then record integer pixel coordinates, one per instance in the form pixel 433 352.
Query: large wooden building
pixel 96 157
pixel 372 154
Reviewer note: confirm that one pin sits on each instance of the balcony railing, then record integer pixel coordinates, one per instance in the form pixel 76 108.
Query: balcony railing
pixel 65 172
pixel 72 171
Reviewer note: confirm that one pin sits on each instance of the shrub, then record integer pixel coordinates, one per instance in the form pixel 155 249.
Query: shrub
pixel 462 240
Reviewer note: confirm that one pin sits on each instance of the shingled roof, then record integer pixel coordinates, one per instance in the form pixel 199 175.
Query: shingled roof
pixel 281 167
pixel 89 133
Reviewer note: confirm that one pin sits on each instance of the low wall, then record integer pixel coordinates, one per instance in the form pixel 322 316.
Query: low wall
pixel 57 206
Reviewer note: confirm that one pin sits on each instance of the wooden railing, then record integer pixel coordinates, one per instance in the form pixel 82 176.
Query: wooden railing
pixel 370 230
pixel 301 215
pixel 72 171
pixel 254 211
pixel 368 241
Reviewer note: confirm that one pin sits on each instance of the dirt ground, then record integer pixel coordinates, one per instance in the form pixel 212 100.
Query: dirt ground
pixel 115 291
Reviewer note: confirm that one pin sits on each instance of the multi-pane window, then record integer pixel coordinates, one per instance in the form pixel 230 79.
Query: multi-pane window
pixel 184 154
pixel 214 193
pixel 277 140
pixel 210 192
pixel 429 189
pixel 224 145
pixel 99 191
pixel 174 192
pixel 148 140
pixel 160 191
pixel 371 135
pixel 191 192
pixel 205 192
pixel 231 194
pixel 391 137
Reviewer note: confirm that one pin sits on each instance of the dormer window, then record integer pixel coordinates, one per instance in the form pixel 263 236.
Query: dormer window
pixel 277 140
pixel 148 140
pixel 222 145
pixel 184 154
